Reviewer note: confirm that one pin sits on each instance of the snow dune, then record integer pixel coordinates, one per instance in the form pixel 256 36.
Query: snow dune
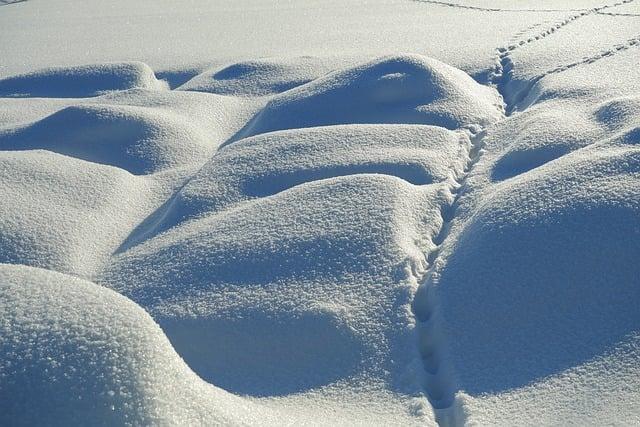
pixel 344 235
pixel 417 154
pixel 74 351
pixel 47 223
pixel 81 81
pixel 298 249
pixel 397 89
pixel 539 288
pixel 259 77
pixel 283 267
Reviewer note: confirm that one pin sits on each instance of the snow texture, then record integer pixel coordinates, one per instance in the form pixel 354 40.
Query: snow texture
pixel 265 213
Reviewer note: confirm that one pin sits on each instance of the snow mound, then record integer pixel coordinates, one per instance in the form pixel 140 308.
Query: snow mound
pixel 47 223
pixel 137 139
pixel 394 89
pixel 74 352
pixel 603 391
pixel 416 153
pixel 536 284
pixel 562 240
pixel 259 77
pixel 527 143
pixel 81 81
pixel 543 284
pixel 564 112
pixel 319 270
pixel 619 112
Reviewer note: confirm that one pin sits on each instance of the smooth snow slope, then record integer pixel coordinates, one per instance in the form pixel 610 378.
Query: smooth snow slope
pixel 540 292
pixel 304 225
pixel 77 353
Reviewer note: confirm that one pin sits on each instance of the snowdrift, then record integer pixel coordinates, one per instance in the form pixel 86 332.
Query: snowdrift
pixel 132 138
pixel 47 223
pixel 81 81
pixel 270 163
pixel 537 284
pixel 77 353
pixel 341 239
pixel 259 77
pixel 394 89
pixel 326 258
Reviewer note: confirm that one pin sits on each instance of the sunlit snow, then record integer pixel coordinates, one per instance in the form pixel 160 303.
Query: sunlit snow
pixel 376 212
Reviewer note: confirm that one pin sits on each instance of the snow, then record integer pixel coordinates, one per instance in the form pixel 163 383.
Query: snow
pixel 76 351
pixel 46 222
pixel 418 154
pixel 259 77
pixel 139 131
pixel 80 81
pixel 549 308
pixel 386 212
pixel 172 37
pixel 306 289
pixel 394 89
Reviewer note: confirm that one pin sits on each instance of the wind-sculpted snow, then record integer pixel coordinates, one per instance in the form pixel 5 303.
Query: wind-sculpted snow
pixel 236 237
pixel 559 288
pixel 581 306
pixel 416 153
pixel 81 81
pixel 137 130
pixel 538 284
pixel 137 139
pixel 281 266
pixel 47 223
pixel 75 353
pixel 325 258
pixel 260 77
pixel 395 89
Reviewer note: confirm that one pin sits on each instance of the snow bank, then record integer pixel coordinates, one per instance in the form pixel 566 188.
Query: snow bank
pixel 270 163
pixel 81 81
pixel 395 89
pixel 48 223
pixel 77 353
pixel 259 77
pixel 537 284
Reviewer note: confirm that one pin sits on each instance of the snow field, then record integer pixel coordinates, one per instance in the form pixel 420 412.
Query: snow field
pixel 284 267
pixel 349 237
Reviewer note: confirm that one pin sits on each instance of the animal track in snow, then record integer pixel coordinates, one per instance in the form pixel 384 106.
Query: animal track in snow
pixel 504 64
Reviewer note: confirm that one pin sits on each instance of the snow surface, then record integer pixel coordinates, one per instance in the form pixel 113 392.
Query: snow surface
pixel 386 212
